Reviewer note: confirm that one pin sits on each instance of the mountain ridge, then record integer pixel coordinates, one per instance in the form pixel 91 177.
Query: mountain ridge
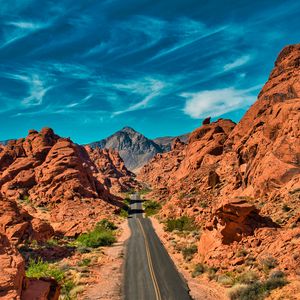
pixel 135 148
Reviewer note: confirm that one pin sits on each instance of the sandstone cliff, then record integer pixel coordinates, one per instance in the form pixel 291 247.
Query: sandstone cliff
pixel 54 173
pixel 241 183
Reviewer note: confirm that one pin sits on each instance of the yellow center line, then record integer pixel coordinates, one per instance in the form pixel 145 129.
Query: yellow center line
pixel 153 277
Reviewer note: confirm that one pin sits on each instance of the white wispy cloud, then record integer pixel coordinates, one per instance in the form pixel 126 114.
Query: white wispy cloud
pixel 26 25
pixel 17 30
pixel 37 88
pixel 238 62
pixel 80 102
pixel 37 91
pixel 186 31
pixel 128 37
pixel 147 90
pixel 217 102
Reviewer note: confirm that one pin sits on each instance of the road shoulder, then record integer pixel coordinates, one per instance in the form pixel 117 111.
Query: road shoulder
pixel 107 276
pixel 199 289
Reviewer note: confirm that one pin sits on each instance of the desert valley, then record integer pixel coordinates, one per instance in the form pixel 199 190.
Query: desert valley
pixel 223 200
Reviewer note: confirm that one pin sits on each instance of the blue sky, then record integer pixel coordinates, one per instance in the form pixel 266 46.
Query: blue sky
pixel 88 68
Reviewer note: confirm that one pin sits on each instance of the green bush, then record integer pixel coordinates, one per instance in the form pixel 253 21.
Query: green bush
pixel 151 207
pixel 102 235
pixel 183 223
pixel 66 289
pixel 199 269
pixel 144 191
pixel 189 252
pixel 106 225
pixel 127 201
pixel 38 269
pixel 96 238
pixel 84 263
pixel 211 273
pixel 52 242
pixel 123 213
pixel 226 279
pixel 276 274
pixel 268 263
pixel 257 290
pixel 247 277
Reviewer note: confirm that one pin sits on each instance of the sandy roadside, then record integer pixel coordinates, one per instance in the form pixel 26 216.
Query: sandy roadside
pixel 107 276
pixel 199 288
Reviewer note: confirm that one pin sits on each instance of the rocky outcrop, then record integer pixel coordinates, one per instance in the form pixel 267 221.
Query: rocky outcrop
pixel 46 171
pixel 41 289
pixel 256 163
pixel 12 270
pixel 18 225
pixel 111 171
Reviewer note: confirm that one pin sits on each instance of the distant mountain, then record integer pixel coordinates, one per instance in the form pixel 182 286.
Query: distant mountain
pixel 134 148
pixel 166 142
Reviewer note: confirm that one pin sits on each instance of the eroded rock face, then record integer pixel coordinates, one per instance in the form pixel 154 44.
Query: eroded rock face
pixel 12 270
pixel 54 173
pixel 18 225
pixel 257 160
pixel 110 170
pixel 236 219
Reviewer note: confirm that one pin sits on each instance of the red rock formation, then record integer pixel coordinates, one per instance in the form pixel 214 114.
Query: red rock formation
pixel 19 226
pixel 12 270
pixel 258 160
pixel 53 172
pixel 43 289
pixel 110 170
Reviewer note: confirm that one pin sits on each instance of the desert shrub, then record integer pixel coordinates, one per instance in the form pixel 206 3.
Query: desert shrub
pixel 82 249
pixel 247 277
pixel 257 290
pixel 242 253
pixel 26 199
pixel 183 223
pixel 236 292
pixel 286 208
pixel 127 201
pixel 66 290
pixel 198 270
pixel 84 263
pixel 144 191
pixel 106 225
pixel 189 252
pixel 38 269
pixel 123 213
pixel 268 263
pixel 151 207
pixel 203 204
pixel 211 273
pixel 97 238
pixel 226 279
pixel 250 260
pixel 52 242
pixel 276 274
pixel 102 235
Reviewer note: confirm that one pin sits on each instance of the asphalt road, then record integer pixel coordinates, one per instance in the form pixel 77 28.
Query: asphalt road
pixel 150 274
